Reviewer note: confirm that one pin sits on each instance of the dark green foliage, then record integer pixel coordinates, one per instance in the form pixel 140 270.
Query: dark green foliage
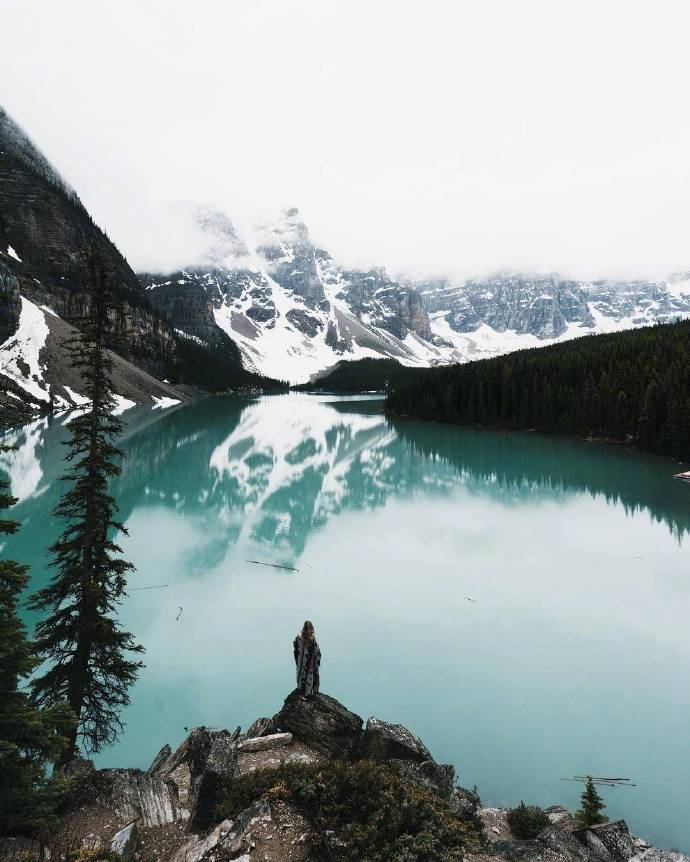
pixel 629 386
pixel 361 375
pixel 527 821
pixel 592 805
pixel 370 812
pixel 29 737
pixel 80 638
pixel 218 369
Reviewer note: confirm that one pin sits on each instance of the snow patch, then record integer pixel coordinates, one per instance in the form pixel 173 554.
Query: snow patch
pixel 164 402
pixel 77 399
pixel 121 404
pixel 20 354
pixel 13 253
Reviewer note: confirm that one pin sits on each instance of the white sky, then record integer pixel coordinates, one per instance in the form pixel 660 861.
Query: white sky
pixel 440 137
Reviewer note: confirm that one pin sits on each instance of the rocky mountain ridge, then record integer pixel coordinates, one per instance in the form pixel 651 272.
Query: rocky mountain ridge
pixel 172 811
pixel 293 309
pixel 46 236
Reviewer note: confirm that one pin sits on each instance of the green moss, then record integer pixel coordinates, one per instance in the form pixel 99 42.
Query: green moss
pixel 363 811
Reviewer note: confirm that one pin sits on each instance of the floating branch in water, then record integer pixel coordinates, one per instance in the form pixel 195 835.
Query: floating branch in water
pixel 152 587
pixel 467 598
pixel 179 612
pixel 274 565
pixel 606 782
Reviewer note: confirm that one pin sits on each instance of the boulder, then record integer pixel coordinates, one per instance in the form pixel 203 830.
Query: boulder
pixel 382 740
pixel 562 843
pixel 322 723
pixel 124 842
pixel 464 803
pixel 195 768
pixel 131 794
pixel 221 763
pixel 261 743
pixel 608 841
pixel 436 776
pixel 262 727
pixel 197 848
pixel 238 838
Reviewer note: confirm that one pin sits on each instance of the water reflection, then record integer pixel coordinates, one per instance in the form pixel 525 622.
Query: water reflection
pixel 575 656
pixel 274 470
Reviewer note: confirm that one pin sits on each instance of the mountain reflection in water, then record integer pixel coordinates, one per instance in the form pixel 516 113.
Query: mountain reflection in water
pixel 574 656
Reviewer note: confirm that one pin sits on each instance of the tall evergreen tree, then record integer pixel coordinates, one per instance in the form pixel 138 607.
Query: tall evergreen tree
pixel 29 737
pixel 592 805
pixel 91 660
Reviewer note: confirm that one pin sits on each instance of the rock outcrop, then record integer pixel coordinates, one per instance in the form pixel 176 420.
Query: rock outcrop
pixel 382 740
pixel 322 722
pixel 180 790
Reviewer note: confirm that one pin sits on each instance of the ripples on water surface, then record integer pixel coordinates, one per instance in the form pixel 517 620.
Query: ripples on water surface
pixel 574 656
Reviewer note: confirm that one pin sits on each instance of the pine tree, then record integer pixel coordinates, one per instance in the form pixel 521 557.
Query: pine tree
pixel 592 805
pixel 91 659
pixel 29 737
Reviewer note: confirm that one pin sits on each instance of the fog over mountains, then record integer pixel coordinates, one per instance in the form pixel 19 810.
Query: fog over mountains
pixel 261 300
pixel 294 311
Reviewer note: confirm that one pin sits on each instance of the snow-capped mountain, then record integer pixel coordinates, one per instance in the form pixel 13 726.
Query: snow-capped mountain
pixel 548 307
pixel 291 309
pixel 294 311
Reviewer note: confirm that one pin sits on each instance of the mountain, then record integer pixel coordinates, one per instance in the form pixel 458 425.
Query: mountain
pixel 295 312
pixel 292 310
pixel 45 234
pixel 508 310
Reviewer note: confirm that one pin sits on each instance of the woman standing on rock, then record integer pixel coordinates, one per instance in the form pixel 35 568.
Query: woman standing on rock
pixel 307 659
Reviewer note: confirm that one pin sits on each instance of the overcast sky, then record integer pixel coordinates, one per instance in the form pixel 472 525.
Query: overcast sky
pixel 442 137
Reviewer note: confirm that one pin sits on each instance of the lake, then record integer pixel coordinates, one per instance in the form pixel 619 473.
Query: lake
pixel 519 601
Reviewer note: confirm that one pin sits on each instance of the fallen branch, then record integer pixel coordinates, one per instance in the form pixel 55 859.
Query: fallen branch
pixel 274 565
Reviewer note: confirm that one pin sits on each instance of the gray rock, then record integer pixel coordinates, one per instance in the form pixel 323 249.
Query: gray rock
pixel 382 740
pixel 238 838
pixel 93 841
pixel 261 727
pixel 322 723
pixel 562 842
pixel 124 842
pixel 196 766
pixel 220 763
pixel 608 841
pixel 464 803
pixel 199 848
pixel 305 322
pixel 261 743
pixel 131 794
pixel 653 854
pixel 160 759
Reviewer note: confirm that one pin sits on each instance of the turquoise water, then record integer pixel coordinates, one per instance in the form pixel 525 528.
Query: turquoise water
pixel 572 658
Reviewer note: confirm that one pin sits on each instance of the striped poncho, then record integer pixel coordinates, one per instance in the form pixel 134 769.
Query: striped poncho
pixel 307 661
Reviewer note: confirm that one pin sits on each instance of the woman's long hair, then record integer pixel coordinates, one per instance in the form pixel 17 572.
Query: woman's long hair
pixel 308 634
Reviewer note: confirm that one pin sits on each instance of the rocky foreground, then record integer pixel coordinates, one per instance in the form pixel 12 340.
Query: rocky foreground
pixel 170 811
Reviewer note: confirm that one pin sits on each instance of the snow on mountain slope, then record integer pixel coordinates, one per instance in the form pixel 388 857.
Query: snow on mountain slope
pixel 510 311
pixel 293 311
pixel 36 370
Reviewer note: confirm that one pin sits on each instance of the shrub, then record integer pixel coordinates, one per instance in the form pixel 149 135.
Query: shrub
pixel 527 821
pixel 370 812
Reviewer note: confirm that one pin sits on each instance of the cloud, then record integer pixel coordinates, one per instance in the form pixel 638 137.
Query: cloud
pixel 430 137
